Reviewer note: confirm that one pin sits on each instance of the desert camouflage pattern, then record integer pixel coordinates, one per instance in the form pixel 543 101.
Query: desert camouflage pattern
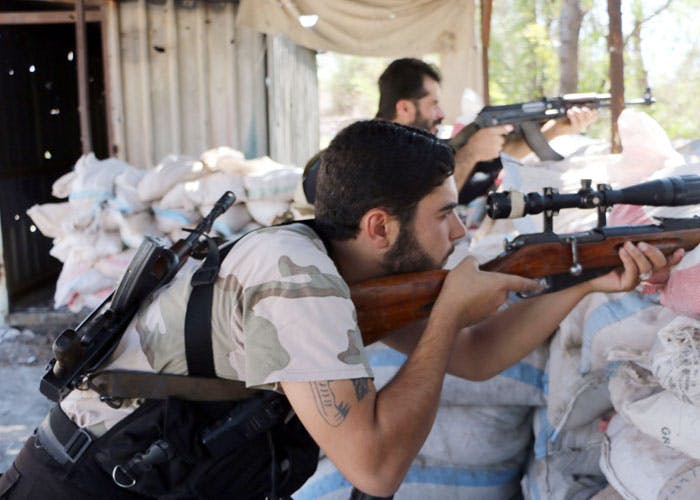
pixel 281 312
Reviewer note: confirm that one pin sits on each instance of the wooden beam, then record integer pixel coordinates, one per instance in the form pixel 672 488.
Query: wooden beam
pixel 617 76
pixel 83 84
pixel 48 17
pixel 486 8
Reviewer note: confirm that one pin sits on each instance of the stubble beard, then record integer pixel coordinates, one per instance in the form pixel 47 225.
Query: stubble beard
pixel 407 256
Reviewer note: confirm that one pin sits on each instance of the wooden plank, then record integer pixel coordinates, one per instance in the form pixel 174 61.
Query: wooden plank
pixel 293 115
pixel 221 54
pixel 113 81
pixel 617 79
pixel 251 117
pixel 160 54
pixel 81 68
pixel 48 17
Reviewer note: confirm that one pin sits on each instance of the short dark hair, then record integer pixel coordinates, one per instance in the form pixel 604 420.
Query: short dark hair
pixel 372 164
pixel 402 79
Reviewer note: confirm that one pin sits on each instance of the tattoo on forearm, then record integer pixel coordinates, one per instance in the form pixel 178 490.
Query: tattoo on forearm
pixel 332 411
pixel 361 387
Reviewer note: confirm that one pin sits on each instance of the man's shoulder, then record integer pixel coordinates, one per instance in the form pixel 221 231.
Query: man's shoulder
pixel 265 248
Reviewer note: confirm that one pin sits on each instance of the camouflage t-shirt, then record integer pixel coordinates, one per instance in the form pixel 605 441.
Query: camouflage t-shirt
pixel 281 312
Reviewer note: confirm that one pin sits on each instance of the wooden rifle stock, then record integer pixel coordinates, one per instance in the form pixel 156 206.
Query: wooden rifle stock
pixel 386 304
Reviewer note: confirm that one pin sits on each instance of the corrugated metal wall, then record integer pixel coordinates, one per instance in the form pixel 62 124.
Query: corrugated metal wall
pixel 182 78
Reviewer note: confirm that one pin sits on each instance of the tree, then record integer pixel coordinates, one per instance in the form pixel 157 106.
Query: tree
pixel 570 20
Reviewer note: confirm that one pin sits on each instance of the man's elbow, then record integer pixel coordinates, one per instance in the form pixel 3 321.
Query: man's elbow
pixel 383 480
pixel 379 485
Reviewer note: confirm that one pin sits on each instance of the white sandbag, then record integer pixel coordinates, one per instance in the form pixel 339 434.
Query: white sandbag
pixel 80 244
pixel 232 221
pixel 48 218
pixel 641 468
pixel 553 479
pixel 207 190
pixel 176 199
pixel 607 493
pixel 621 329
pixel 664 417
pixel 423 482
pixel 573 399
pixel 271 180
pixel 133 228
pixel 265 212
pixel 94 182
pixel 682 291
pixel 675 359
pixel 61 187
pixel 126 196
pixel 645 144
pixel 520 384
pixel 114 266
pixel 225 159
pixel 564 466
pixel 77 283
pixel 630 382
pixel 476 436
pixel 169 220
pixel 172 170
pixel 107 243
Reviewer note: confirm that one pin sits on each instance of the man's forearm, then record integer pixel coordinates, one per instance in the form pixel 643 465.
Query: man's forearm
pixel 416 390
pixel 486 349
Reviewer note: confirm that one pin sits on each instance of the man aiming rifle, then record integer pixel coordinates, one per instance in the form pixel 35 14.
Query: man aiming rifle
pixel 282 321
pixel 409 94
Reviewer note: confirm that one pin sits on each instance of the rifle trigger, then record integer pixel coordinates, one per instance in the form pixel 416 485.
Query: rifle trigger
pixel 576 269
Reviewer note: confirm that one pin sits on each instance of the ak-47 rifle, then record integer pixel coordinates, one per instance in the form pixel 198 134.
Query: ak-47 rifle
pixel 529 117
pixel 78 352
pixel 558 260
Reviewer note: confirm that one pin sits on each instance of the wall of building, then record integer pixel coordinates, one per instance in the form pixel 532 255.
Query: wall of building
pixel 185 79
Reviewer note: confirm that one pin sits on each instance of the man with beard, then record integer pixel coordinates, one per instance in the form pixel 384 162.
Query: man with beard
pixel 282 321
pixel 409 94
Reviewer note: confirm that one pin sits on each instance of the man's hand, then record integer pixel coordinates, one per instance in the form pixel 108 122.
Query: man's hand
pixel 577 121
pixel 485 144
pixel 641 262
pixel 469 295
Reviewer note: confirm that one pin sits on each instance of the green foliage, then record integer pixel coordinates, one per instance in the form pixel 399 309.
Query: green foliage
pixel 524 65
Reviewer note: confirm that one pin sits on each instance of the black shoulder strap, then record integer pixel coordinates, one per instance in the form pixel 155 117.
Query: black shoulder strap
pixel 198 341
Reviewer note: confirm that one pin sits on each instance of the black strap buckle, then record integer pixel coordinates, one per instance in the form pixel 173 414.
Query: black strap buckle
pixel 69 451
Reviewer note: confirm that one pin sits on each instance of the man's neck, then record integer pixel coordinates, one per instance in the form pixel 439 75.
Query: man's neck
pixel 353 261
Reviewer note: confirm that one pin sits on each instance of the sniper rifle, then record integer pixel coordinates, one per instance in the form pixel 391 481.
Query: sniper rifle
pixel 558 260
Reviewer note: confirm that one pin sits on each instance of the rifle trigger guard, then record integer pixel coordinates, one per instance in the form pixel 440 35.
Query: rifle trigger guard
pixel 576 269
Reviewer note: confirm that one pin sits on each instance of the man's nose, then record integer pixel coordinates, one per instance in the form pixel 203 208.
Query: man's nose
pixel 457 228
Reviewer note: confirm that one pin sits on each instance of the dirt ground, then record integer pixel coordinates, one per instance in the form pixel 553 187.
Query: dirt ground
pixel 23 356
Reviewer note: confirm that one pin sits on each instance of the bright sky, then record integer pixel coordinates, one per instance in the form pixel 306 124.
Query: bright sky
pixel 668 37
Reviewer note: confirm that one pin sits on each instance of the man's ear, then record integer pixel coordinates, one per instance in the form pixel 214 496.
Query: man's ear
pixel 405 111
pixel 381 229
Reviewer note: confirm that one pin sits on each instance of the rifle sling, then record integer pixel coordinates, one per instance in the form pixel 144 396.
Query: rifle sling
pixel 532 133
pixel 125 384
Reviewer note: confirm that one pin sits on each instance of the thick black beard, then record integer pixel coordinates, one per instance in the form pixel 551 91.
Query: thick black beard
pixel 407 256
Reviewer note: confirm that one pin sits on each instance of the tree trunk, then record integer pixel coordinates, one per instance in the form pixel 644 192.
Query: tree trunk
pixel 569 27
pixel 617 81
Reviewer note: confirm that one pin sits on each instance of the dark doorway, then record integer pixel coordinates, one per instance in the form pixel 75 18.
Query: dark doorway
pixel 39 142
